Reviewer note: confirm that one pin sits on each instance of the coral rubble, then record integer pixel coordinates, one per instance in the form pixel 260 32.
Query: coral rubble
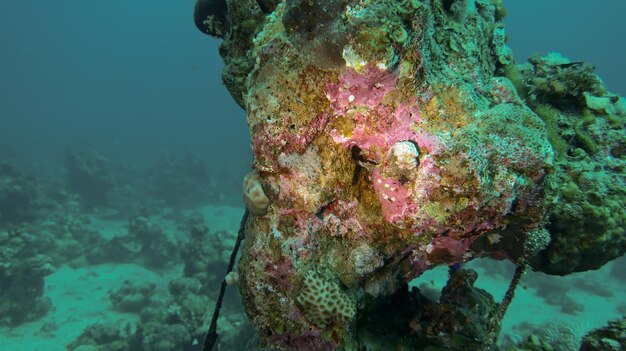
pixel 393 136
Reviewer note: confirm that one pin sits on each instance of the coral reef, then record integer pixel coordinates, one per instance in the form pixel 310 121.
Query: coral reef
pixel 169 320
pixel 182 180
pixel 323 302
pixel 89 176
pixel 609 338
pixel 144 242
pixel 131 297
pixel 106 337
pixel 566 337
pixel 547 337
pixel 203 253
pixel 585 124
pixel 408 320
pixel 69 230
pixel 24 262
pixel 84 223
pixel 390 137
pixel 171 317
pixel 176 180
pixel 18 195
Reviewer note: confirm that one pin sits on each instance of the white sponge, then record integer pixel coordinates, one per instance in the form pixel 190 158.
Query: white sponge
pixel 254 196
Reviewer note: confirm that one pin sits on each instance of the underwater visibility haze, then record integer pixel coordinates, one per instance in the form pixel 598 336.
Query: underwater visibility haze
pixel 313 175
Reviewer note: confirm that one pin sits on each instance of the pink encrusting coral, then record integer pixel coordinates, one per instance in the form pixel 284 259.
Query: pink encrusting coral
pixel 370 112
pixel 268 143
pixel 365 88
pixel 394 198
pixel 375 124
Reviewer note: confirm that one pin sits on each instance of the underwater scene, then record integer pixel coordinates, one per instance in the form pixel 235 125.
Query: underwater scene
pixel 303 175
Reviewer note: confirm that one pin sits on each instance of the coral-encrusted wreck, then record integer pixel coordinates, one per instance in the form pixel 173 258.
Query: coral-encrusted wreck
pixel 393 136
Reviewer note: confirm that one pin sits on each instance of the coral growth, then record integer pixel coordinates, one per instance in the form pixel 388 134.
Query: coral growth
pixel 89 176
pixel 182 180
pixel 393 136
pixel 18 195
pixel 144 242
pixel 409 320
pixel 585 124
pixel 131 298
pixel 323 302
pixel 106 337
pixel 204 253
pixel 24 262
pixel 607 338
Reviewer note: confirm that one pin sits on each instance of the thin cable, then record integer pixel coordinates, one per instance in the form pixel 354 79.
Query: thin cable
pixel 211 336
